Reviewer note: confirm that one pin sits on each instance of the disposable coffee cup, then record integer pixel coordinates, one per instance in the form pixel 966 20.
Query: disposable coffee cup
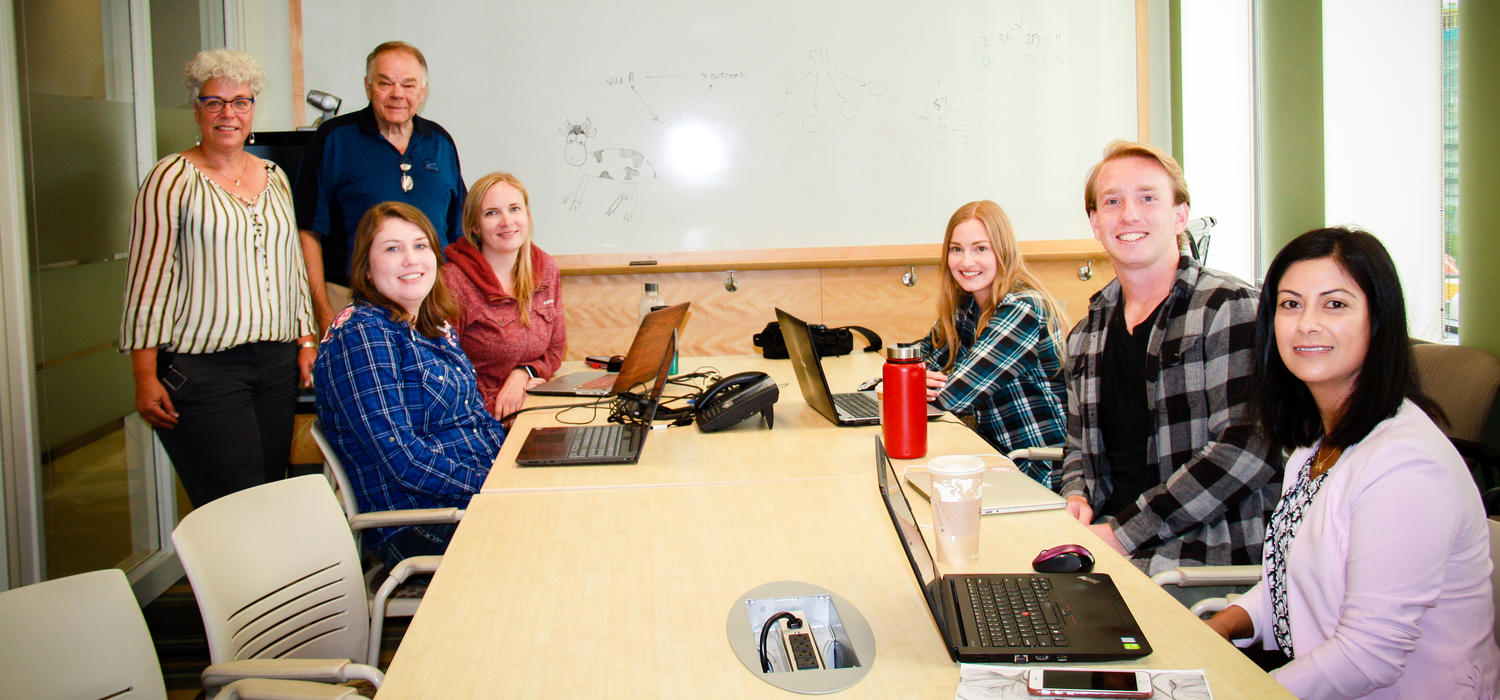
pixel 957 485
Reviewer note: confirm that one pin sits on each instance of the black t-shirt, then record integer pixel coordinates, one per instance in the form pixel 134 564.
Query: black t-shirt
pixel 1125 415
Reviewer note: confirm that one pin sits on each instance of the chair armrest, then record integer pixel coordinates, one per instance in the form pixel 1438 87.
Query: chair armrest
pixel 398 518
pixel 271 689
pixel 1212 605
pixel 1037 454
pixel 1243 575
pixel 412 566
pixel 321 670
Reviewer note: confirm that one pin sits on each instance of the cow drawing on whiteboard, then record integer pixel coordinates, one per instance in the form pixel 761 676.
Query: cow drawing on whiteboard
pixel 625 166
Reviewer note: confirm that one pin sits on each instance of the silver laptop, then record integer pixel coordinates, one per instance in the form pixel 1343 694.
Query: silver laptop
pixel 1006 490
pixel 852 408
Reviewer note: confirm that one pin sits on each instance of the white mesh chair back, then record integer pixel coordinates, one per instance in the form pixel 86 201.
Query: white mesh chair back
pixel 77 637
pixel 333 468
pixel 276 574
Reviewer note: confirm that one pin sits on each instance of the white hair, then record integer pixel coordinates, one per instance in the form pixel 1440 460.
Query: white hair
pixel 234 66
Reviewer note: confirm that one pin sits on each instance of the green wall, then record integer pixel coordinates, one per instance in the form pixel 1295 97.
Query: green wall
pixel 1289 90
pixel 1479 172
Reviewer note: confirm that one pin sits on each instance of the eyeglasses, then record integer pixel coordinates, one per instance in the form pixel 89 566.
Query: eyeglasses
pixel 214 105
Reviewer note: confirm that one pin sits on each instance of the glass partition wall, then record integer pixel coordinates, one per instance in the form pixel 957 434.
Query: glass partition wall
pixel 90 129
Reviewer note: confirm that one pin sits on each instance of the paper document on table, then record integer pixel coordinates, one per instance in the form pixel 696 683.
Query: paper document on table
pixel 1000 682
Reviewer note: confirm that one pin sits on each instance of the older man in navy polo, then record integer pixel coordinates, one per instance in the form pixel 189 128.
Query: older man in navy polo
pixel 384 152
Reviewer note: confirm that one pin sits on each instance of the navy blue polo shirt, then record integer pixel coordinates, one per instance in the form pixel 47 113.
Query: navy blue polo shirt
pixel 349 167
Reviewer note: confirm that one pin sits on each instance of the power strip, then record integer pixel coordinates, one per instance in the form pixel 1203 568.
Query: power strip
pixel 801 648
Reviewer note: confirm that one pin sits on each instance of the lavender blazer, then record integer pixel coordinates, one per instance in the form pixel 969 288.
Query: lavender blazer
pixel 1389 576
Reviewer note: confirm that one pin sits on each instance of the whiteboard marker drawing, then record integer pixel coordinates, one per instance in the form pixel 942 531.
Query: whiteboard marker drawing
pixel 625 166
pixel 840 83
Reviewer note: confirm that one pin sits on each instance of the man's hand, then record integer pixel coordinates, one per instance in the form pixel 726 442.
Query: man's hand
pixel 1078 507
pixel 1107 533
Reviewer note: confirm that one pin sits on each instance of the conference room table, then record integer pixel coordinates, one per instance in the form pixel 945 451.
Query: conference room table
pixel 618 581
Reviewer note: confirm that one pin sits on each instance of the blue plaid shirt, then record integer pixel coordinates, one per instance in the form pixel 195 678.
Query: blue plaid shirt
pixel 403 413
pixel 1009 377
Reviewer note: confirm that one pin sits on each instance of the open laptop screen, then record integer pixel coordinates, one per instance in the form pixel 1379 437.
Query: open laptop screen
pixel 906 528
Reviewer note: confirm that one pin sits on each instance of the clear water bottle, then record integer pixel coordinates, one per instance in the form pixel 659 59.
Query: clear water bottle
pixel 903 411
pixel 649 300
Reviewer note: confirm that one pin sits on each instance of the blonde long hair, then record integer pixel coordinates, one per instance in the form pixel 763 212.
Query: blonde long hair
pixel 1011 274
pixel 524 277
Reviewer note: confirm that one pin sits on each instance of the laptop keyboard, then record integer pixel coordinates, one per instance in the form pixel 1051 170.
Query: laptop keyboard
pixel 597 441
pixel 858 405
pixel 1016 611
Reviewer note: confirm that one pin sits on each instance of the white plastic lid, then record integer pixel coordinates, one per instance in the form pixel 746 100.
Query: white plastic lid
pixel 955 465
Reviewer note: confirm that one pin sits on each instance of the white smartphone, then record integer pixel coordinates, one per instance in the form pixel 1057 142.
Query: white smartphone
pixel 1087 683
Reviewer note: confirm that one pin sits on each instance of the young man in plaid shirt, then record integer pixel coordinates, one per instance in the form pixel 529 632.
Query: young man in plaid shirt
pixel 1162 461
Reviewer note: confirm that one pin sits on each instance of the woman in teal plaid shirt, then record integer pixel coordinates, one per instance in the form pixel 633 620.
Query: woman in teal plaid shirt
pixel 994 351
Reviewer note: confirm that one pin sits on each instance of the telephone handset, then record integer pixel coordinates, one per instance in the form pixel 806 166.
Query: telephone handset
pixel 735 398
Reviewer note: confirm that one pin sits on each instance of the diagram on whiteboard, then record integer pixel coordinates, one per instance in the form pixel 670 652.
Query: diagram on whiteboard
pixel 998 88
pixel 670 98
pixel 813 94
pixel 625 167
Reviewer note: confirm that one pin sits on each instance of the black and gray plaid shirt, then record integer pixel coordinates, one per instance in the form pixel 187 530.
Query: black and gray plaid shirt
pixel 1219 479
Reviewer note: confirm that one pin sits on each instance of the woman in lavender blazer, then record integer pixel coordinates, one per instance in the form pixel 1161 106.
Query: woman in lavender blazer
pixel 1376 565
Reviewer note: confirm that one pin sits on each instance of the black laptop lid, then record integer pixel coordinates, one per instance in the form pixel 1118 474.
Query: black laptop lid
pixel 911 537
pixel 799 347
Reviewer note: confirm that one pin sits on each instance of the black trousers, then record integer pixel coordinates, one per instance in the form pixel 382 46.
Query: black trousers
pixel 234 426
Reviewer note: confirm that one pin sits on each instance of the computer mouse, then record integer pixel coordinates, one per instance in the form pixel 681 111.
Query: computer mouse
pixel 1063 559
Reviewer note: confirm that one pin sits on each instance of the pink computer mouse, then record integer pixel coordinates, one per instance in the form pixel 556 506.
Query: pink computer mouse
pixel 1063 559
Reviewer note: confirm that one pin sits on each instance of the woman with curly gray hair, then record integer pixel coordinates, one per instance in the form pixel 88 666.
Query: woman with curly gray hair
pixel 218 321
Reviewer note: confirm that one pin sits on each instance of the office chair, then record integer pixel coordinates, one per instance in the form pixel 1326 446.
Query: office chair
pixel 84 636
pixel 401 598
pixel 1463 382
pixel 277 575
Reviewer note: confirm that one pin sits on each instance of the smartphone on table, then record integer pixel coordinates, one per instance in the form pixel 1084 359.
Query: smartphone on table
pixel 1088 683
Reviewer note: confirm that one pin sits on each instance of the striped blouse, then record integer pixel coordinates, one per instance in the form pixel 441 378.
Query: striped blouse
pixel 209 272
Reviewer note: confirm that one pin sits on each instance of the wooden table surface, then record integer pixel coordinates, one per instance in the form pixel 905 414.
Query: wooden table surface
pixel 617 581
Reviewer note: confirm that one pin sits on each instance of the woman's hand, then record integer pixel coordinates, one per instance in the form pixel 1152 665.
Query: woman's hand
pixel 1232 623
pixel 151 398
pixel 935 383
pixel 305 357
pixel 153 403
pixel 512 393
pixel 1078 507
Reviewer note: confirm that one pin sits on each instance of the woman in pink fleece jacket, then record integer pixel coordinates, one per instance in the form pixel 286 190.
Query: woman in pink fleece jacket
pixel 1376 569
pixel 512 327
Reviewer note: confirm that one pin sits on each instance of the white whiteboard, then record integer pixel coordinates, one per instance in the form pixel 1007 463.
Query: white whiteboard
pixel 762 124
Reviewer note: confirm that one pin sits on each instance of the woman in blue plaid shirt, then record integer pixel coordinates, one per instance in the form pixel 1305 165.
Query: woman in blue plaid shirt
pixel 994 350
pixel 397 397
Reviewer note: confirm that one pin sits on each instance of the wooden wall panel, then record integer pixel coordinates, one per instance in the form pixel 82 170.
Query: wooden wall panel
pixel 601 308
pixel 1061 278
pixel 875 298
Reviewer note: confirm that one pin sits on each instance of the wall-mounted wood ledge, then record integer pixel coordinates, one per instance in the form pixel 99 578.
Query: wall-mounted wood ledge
pixel 802 258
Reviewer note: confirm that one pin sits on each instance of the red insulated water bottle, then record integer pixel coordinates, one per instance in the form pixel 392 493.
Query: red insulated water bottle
pixel 903 411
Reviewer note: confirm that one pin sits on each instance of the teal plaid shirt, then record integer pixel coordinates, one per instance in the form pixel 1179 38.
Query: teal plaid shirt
pixel 1009 376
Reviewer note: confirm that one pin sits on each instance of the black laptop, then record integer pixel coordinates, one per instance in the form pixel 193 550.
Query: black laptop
pixel 1014 618
pixel 637 368
pixel 852 408
pixel 610 443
